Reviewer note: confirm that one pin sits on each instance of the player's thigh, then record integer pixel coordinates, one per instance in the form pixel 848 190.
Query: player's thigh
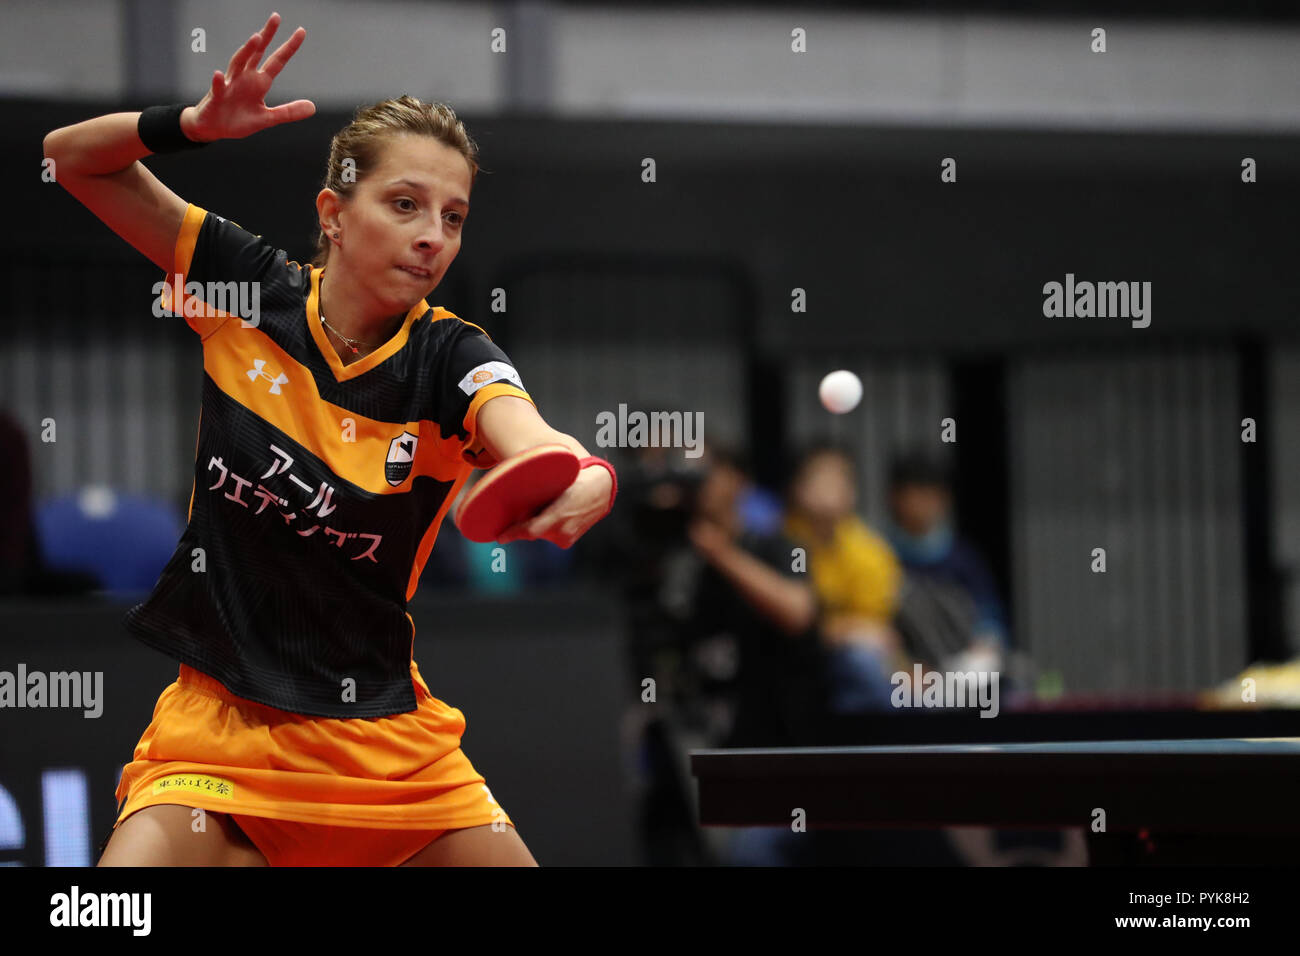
pixel 166 835
pixel 475 846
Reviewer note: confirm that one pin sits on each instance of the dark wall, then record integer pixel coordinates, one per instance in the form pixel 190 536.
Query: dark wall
pixel 891 258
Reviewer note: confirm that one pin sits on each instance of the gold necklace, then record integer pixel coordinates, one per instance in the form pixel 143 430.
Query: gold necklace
pixel 349 341
pixel 352 343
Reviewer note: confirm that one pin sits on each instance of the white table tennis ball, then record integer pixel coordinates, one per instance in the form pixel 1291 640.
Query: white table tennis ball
pixel 840 391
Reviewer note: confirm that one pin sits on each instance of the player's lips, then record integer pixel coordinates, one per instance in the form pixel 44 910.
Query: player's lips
pixel 417 271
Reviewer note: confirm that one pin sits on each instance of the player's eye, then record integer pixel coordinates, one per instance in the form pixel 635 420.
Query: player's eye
pixel 409 207
pixel 457 219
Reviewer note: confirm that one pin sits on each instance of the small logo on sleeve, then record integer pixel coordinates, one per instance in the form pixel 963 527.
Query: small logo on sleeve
pixel 487 373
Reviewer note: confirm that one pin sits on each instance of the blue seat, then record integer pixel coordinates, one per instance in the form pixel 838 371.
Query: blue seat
pixel 124 540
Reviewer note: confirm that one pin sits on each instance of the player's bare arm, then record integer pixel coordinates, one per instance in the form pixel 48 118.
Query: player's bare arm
pixel 98 161
pixel 508 425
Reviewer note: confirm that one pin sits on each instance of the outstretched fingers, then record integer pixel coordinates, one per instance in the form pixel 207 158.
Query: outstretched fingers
pixel 250 53
pixel 240 57
pixel 281 56
pixel 242 89
pixel 290 112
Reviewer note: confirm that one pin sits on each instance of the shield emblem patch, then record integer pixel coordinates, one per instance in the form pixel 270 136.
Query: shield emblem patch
pixel 401 455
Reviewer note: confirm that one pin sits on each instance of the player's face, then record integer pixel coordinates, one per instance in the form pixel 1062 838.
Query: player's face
pixel 403 224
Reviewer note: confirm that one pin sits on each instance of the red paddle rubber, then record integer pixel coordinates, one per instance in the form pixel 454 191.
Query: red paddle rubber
pixel 515 490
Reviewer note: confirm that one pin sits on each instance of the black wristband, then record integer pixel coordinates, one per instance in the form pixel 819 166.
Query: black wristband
pixel 159 129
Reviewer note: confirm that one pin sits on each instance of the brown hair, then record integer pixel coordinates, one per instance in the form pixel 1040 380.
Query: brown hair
pixel 362 140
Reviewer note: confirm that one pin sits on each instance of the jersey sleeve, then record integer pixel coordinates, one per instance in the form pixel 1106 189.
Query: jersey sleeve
pixel 474 370
pixel 221 271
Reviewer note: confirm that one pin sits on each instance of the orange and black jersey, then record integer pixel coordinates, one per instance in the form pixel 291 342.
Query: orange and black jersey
pixel 319 488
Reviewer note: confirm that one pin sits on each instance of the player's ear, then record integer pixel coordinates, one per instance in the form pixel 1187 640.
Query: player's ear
pixel 328 204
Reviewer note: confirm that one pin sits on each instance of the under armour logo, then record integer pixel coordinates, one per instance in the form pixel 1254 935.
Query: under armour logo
pixel 258 371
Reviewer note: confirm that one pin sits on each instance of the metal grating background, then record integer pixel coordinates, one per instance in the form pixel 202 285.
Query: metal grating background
pixel 123 387
pixel 588 336
pixel 1140 455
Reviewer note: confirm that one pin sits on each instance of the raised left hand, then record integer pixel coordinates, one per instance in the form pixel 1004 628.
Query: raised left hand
pixel 570 516
pixel 235 105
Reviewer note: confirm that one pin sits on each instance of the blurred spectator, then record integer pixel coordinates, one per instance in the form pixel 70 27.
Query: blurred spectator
pixel 752 600
pixel 855 575
pixel 950 616
pixel 711 598
pixel 859 583
pixel 750 590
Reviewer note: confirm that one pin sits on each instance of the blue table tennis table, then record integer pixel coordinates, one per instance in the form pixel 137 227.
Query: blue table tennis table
pixel 1215 800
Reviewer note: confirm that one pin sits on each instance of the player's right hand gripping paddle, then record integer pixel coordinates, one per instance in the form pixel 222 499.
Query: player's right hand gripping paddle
pixel 515 490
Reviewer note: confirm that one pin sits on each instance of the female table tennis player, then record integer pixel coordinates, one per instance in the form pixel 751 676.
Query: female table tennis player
pixel 341 416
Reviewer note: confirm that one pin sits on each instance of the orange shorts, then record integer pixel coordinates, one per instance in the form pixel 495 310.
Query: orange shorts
pixel 310 791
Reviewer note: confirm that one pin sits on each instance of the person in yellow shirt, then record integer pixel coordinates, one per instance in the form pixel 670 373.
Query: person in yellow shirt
pixel 855 575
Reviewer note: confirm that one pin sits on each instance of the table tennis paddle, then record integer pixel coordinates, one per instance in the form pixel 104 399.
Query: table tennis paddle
pixel 515 490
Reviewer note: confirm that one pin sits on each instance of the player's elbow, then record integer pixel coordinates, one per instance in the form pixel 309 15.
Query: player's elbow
pixel 59 143
pixel 66 150
pixel 51 145
pixel 59 154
